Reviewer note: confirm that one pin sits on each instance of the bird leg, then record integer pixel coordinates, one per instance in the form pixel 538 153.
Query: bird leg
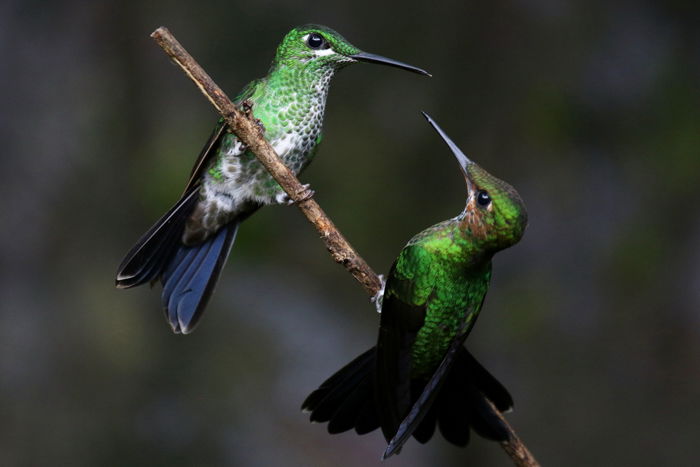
pixel 247 106
pixel 305 193
pixel 378 298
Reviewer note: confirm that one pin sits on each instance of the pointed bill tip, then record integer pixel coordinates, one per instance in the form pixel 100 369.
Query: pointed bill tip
pixel 373 58
pixel 464 161
pixel 428 118
pixel 390 450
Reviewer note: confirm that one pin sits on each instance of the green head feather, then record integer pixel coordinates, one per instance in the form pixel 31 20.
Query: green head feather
pixel 494 210
pixel 314 46
pixel 317 47
pixel 495 215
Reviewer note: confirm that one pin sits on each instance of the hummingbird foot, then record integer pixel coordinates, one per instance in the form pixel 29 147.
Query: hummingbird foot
pixel 378 298
pixel 247 106
pixel 305 193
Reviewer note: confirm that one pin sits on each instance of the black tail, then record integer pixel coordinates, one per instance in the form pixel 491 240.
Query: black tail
pixel 188 274
pixel 189 280
pixel 346 400
pixel 455 397
pixel 462 403
pixel 147 259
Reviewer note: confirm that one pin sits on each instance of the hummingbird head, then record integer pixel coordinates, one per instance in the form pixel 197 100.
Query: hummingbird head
pixel 494 212
pixel 320 47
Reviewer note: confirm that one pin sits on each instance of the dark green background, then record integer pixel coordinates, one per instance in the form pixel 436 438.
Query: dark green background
pixel 590 109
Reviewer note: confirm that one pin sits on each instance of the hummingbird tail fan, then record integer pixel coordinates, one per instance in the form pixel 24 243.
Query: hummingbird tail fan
pixel 463 402
pixel 191 276
pixel 454 401
pixel 346 399
pixel 188 273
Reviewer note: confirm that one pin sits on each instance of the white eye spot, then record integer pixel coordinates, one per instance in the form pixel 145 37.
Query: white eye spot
pixel 324 52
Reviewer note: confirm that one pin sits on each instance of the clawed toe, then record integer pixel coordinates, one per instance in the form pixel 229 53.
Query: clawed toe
pixel 305 193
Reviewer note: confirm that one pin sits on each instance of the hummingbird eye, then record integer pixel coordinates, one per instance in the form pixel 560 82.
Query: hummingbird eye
pixel 316 41
pixel 483 199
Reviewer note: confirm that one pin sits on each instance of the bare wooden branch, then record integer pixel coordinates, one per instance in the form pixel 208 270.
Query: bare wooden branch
pixel 247 130
pixel 514 446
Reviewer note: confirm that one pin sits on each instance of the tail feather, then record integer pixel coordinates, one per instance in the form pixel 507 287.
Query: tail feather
pixel 188 273
pixel 346 400
pixel 146 260
pixel 325 402
pixel 463 402
pixel 485 382
pixel 314 399
pixel 454 415
pixel 346 416
pixel 368 418
pixel 486 423
pixel 161 256
pixel 191 276
pixel 457 392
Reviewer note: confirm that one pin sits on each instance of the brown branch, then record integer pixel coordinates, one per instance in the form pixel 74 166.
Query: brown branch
pixel 514 446
pixel 251 135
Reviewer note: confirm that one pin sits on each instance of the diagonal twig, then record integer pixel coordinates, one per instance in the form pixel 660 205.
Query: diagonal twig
pixel 339 248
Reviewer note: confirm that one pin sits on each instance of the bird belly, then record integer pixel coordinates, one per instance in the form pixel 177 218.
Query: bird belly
pixel 238 179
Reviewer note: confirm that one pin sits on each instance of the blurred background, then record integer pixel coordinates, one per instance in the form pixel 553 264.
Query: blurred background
pixel 590 109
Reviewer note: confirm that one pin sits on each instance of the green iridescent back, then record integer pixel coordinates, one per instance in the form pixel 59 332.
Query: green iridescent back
pixel 431 275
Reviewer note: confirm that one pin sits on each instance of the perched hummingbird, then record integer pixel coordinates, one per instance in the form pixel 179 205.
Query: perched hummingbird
pixel 419 374
pixel 189 245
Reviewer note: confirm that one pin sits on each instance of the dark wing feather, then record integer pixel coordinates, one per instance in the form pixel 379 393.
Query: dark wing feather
pixel 426 399
pixel 212 145
pixel 457 395
pixel 426 428
pixel 205 156
pixel 401 318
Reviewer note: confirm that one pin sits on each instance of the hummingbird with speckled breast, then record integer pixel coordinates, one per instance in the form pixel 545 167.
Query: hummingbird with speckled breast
pixel 420 376
pixel 187 247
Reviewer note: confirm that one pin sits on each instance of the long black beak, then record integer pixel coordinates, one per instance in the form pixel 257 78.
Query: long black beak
pixel 372 58
pixel 463 160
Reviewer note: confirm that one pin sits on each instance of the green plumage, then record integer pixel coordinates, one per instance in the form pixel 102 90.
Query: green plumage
pixel 420 375
pixel 187 248
pixel 430 275
pixel 289 104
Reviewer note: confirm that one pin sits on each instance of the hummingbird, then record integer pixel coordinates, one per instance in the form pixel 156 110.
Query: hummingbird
pixel 420 375
pixel 188 246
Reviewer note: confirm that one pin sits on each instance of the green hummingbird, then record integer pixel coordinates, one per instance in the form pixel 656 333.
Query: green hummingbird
pixel 420 375
pixel 187 247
